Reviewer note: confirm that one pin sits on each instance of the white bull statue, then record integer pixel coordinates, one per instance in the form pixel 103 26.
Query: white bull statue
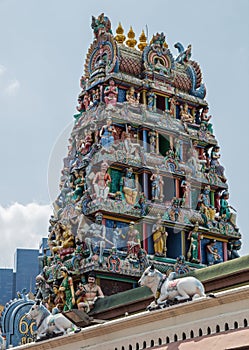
pixel 169 290
pixel 47 324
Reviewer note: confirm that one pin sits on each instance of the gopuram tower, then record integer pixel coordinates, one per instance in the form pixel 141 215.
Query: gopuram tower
pixel 143 180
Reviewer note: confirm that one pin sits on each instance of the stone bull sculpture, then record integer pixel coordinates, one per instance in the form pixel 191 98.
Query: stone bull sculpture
pixel 168 291
pixel 49 325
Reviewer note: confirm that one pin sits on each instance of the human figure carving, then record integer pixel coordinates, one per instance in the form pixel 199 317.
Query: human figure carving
pixel 159 238
pixel 111 94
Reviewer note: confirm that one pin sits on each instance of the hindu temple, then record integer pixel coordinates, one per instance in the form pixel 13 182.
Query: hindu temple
pixel 143 181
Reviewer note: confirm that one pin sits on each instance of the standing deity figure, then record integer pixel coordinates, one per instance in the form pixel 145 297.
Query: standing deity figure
pixel 106 134
pixel 101 181
pixel 111 94
pixel 185 115
pixel 95 238
pixel 194 236
pixel 150 103
pixel 133 241
pixel 68 289
pixel 186 197
pixel 117 237
pixel 128 186
pixel 95 99
pixel 131 97
pixel 127 138
pixel 159 238
pixel 172 109
pixel 153 141
pixel 157 186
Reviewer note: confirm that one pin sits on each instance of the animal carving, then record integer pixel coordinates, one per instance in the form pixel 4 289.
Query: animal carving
pixel 49 325
pixel 167 290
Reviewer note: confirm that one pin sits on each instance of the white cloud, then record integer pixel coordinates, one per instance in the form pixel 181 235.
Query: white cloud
pixel 2 70
pixel 12 87
pixel 22 226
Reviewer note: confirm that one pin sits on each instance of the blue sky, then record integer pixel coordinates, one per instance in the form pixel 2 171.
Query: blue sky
pixel 43 45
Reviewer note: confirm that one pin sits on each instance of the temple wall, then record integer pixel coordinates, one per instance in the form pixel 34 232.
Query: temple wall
pixel 193 322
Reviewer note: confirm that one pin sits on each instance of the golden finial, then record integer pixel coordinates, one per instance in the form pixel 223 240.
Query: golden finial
pixel 131 42
pixel 120 37
pixel 143 41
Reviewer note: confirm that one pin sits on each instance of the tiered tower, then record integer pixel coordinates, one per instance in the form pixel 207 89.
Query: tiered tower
pixel 142 180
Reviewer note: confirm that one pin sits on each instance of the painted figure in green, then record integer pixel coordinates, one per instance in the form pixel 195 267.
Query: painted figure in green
pixel 68 288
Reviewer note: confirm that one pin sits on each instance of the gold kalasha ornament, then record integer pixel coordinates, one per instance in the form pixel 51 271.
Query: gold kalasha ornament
pixel 142 41
pixel 131 42
pixel 120 37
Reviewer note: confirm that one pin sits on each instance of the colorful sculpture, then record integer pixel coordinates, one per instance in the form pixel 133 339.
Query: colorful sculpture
pixel 101 181
pixel 91 292
pixel 159 238
pixel 166 290
pixel 128 186
pixel 157 186
pixel 111 93
pixel 129 162
pixel 194 237
pixel 106 134
pixel 67 288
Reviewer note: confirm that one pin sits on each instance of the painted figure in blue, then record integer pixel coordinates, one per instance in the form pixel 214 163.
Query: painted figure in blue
pixel 106 134
pixel 212 253
pixel 150 96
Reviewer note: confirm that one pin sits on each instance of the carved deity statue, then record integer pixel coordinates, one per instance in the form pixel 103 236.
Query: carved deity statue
pixel 128 186
pixel 111 94
pixel 157 186
pixel 159 238
pixel 101 181
pixel 131 98
pixel 106 134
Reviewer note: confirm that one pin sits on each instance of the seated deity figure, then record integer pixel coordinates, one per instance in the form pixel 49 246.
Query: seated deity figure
pixel 90 293
pixel 101 181
pixel 185 115
pixel 111 94
pixel 157 186
pixel 206 207
pixel 95 238
pixel 131 97
pixel 215 156
pixel 159 238
pixel 106 134
pixel 225 212
pixel 205 119
pixel 128 186
pixel 212 253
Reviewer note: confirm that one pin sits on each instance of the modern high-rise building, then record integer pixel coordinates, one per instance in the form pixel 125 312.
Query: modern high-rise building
pixel 26 268
pixel 7 285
